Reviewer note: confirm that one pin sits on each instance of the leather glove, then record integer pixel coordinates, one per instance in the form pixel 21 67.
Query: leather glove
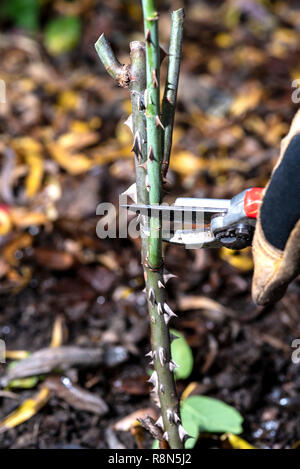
pixel 276 243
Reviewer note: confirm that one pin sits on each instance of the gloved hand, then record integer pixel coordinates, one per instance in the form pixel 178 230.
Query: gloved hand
pixel 276 243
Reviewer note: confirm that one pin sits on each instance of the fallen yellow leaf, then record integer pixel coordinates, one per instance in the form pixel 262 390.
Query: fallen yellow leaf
pixel 241 260
pixel 5 221
pixel 224 40
pixel 73 141
pixel 16 354
pixel 57 332
pixel 247 99
pixel 68 100
pixel 26 145
pixel 26 410
pixel 73 163
pixel 36 170
pixel 188 390
pixel 22 241
pixel 237 442
pixel 22 218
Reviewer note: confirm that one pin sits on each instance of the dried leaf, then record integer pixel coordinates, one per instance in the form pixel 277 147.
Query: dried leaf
pixel 73 163
pixel 76 396
pixel 247 99
pixel 241 260
pixel 237 442
pixel 62 358
pixel 57 332
pixel 125 423
pixel 36 170
pixel 26 410
pixel 20 242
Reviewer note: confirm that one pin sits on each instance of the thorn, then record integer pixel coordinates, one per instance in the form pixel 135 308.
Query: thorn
pixel 148 36
pixel 162 356
pixel 170 416
pixel 154 79
pixel 160 284
pixel 137 147
pixel 131 192
pixel 163 53
pixel 144 290
pixel 140 103
pixel 151 296
pixel 153 319
pixel 151 363
pixel 159 309
pixel 149 354
pixel 165 436
pixel 183 435
pixel 162 389
pixel 167 275
pixel 167 319
pixel 169 311
pixel 172 366
pixel 154 381
pixel 144 166
pixel 150 155
pixel 159 423
pixel 128 122
pixel 158 122
pixel 176 418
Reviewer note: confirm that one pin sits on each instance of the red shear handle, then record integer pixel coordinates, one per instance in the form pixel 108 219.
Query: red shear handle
pixel 252 201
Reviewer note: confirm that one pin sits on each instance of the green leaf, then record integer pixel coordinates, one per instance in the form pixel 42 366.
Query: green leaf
pixel 182 355
pixel 62 34
pixel 155 444
pixel 23 383
pixel 205 414
pixel 24 13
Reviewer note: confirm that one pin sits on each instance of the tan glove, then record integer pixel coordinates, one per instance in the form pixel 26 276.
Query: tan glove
pixel 276 244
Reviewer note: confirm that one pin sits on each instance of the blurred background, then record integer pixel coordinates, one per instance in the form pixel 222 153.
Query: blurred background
pixel 64 149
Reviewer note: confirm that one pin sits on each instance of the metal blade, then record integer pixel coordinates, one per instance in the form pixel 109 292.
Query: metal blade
pixel 177 212
pixel 191 239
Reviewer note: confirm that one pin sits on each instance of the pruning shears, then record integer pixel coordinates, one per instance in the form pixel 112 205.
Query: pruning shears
pixel 223 222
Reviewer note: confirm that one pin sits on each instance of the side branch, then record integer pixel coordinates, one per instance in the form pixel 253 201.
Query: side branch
pixel 170 92
pixel 116 70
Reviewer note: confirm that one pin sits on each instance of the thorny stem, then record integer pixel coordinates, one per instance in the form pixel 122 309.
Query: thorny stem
pixel 166 391
pixel 154 147
pixel 137 88
pixel 170 92
pixel 162 378
pixel 148 149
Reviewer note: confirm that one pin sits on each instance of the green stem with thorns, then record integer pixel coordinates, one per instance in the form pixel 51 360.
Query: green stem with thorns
pixel 137 89
pixel 170 92
pixel 162 378
pixel 148 147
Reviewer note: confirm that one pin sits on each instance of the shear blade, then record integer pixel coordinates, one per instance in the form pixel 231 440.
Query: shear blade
pixel 177 212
